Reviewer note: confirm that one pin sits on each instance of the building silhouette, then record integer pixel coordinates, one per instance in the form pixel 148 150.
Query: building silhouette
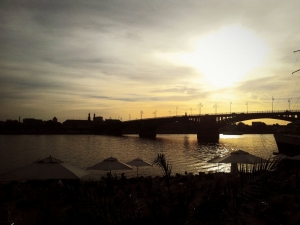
pixel 82 126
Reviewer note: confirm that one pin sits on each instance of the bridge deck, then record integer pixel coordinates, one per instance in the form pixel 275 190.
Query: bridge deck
pixel 279 114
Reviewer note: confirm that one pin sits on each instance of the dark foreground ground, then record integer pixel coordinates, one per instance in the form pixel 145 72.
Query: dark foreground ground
pixel 259 197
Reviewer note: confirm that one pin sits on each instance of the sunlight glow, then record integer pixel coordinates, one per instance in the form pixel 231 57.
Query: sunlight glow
pixel 226 56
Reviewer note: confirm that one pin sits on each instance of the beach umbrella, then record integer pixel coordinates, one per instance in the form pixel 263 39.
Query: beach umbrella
pixel 110 164
pixel 235 157
pixel 138 163
pixel 281 156
pixel 48 168
pixel 215 160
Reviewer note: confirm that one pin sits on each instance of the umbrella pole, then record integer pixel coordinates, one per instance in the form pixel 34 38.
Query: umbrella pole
pixel 234 168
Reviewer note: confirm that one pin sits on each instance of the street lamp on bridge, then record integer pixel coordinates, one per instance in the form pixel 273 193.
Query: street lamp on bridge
pixel 191 111
pixel 155 113
pixel 272 103
pixel 289 104
pixel 216 106
pixel 230 107
pixel 199 105
pixel 142 114
pixel 176 110
pixel 247 106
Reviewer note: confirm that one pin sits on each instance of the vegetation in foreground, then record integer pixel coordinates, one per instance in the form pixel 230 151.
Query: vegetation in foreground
pixel 266 193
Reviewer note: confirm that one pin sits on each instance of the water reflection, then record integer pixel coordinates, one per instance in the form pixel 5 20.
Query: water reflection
pixel 186 144
pixel 184 152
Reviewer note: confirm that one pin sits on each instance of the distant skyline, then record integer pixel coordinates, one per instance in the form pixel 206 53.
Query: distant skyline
pixel 66 59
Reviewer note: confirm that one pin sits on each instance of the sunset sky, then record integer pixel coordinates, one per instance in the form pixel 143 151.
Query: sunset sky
pixel 66 59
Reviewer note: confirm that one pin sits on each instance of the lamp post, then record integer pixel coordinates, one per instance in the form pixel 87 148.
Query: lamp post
pixel 154 113
pixel 170 113
pixel 176 110
pixel 289 104
pixel 142 114
pixel 216 106
pixel 247 106
pixel 199 105
pixel 191 111
pixel 129 117
pixel 230 107
pixel 272 103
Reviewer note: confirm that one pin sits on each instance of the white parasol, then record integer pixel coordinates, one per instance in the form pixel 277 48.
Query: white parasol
pixel 138 163
pixel 235 157
pixel 110 164
pixel 49 168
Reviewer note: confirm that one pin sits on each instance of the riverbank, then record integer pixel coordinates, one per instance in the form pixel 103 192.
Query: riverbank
pixel 265 197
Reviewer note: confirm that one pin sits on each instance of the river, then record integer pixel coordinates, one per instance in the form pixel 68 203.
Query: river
pixel 182 151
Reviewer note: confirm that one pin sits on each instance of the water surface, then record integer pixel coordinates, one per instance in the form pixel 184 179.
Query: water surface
pixel 183 152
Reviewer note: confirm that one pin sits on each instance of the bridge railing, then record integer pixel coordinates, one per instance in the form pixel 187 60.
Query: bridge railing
pixel 254 112
pixel 220 114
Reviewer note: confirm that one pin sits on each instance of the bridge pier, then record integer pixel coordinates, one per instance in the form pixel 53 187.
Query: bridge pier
pixel 110 127
pixel 208 136
pixel 208 131
pixel 147 129
pixel 147 134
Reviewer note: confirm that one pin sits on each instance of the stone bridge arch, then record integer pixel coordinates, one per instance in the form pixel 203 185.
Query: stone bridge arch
pixel 230 120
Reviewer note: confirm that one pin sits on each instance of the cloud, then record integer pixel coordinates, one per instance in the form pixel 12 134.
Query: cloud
pixel 102 53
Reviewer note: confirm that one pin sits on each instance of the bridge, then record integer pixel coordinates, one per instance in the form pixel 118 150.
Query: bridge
pixel 208 125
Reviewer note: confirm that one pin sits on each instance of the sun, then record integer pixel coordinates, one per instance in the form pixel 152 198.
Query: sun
pixel 226 56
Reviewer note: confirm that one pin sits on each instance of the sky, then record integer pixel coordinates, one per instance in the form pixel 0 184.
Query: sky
pixel 138 58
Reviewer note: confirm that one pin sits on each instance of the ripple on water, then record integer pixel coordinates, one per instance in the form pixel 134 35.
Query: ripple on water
pixel 183 152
